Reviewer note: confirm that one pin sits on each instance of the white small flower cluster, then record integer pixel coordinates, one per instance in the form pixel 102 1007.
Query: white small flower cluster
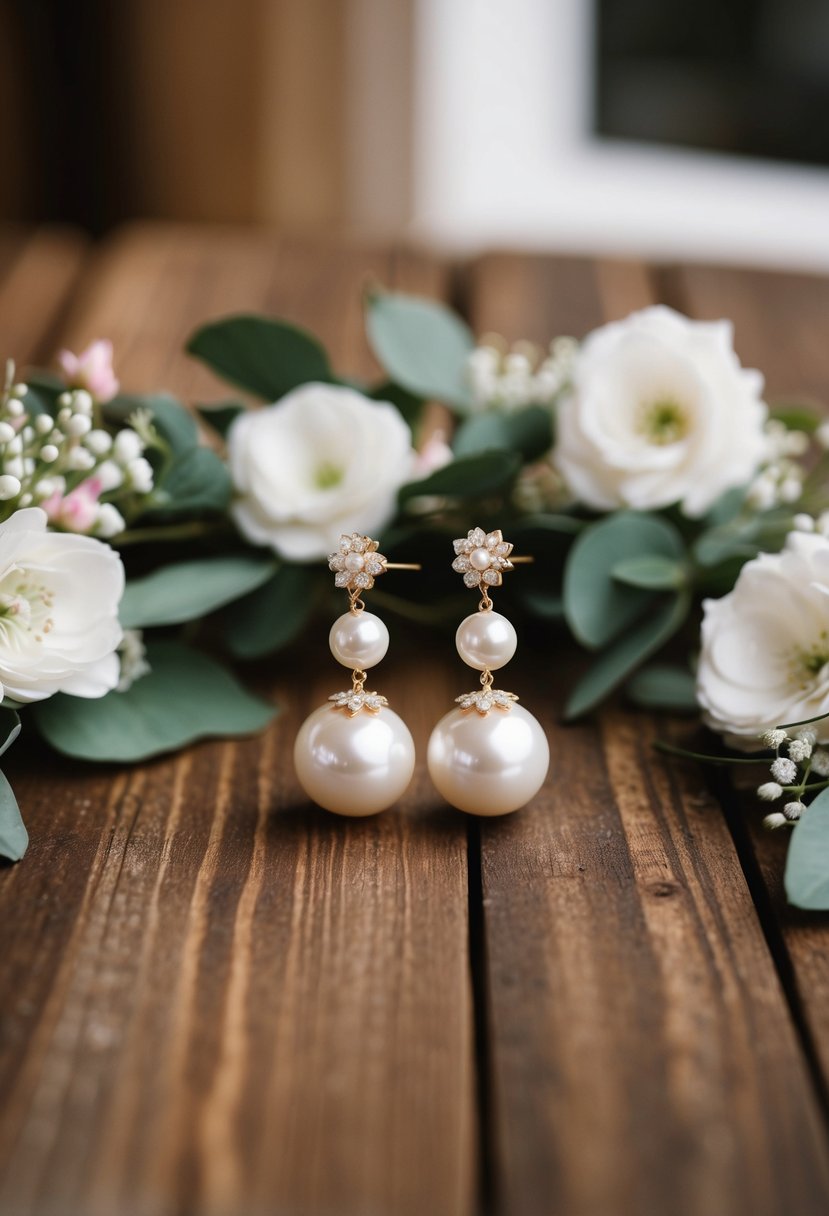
pixel 67 465
pixel 791 773
pixel 507 378
pixel 808 523
pixel 541 487
pixel 132 656
pixel 780 480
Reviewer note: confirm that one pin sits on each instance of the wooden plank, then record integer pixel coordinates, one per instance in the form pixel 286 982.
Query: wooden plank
pixel 643 1057
pixel 39 270
pixel 221 1000
pixel 782 317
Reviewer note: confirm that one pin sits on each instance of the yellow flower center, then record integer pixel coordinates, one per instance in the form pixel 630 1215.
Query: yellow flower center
pixel 328 475
pixel 663 422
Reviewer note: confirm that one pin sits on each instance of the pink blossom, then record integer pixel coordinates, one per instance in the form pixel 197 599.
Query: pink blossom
pixel 91 369
pixel 434 454
pixel 77 510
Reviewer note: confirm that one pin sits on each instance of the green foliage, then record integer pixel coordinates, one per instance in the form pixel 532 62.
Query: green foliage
pixel 14 839
pixel 798 417
pixel 272 616
pixel 469 477
pixel 186 696
pixel 624 655
pixel 664 686
pixel 651 572
pixel 265 357
pixel 44 390
pixel 173 421
pixel 807 863
pixel 10 727
pixel 538 587
pixel 190 590
pixel 598 607
pixel 220 417
pixel 528 431
pixel 196 483
pixel 422 345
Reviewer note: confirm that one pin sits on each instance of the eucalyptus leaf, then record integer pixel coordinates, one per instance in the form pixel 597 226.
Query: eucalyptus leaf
pixel 421 344
pixel 624 655
pixel 173 421
pixel 651 571
pixel 197 481
pixel 528 431
pixel 807 863
pixel 186 696
pixel 189 590
pixel 10 727
pixel 272 616
pixel 266 357
pixel 468 477
pixel 663 686
pixel 220 417
pixel 597 606
pixel 14 839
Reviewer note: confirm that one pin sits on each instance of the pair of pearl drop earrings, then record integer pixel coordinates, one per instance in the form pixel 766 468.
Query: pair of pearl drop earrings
pixel 355 756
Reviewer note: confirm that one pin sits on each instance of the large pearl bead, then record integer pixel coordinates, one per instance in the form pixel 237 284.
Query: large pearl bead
pixel 486 640
pixel 358 640
pixel 354 765
pixel 488 765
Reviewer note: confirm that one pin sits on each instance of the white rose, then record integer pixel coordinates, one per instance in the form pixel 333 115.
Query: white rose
pixel 765 645
pixel 59 595
pixel 660 412
pixel 324 460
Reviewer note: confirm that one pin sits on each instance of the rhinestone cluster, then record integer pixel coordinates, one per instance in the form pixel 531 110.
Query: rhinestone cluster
pixel 356 563
pixel 485 699
pixel 353 701
pixel 482 557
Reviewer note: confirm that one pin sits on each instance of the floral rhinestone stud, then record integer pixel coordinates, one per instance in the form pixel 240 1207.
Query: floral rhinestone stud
pixel 482 558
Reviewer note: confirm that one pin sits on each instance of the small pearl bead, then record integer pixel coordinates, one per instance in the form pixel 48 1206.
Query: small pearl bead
pixel 486 640
pixel 354 562
pixel 358 639
pixel 480 559
pixel 488 765
pixel 354 766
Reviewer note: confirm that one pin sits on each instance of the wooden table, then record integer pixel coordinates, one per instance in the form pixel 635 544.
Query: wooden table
pixel 218 1001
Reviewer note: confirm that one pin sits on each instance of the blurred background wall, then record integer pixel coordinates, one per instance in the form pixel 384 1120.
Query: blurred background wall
pixel 693 128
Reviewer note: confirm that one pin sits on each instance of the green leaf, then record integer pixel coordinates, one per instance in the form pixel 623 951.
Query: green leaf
pixel 528 431
pixel 663 686
pixel 798 417
pixel 186 696
pixel 220 417
pixel 14 839
pixel 549 538
pixel 421 344
pixel 171 419
pixel 625 654
pixel 190 590
pixel 263 356
pixel 10 727
pixel 273 616
pixel 807 864
pixel 468 477
pixel 197 481
pixel 598 607
pixel 650 571
pixel 44 390
pixel 409 405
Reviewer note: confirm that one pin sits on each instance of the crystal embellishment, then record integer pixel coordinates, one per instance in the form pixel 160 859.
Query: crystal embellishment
pixel 356 563
pixel 482 558
pixel 352 702
pixel 485 699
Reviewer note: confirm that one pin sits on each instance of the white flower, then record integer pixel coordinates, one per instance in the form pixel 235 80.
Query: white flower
pixel 793 810
pixel 765 645
pixel 773 738
pixel 323 461
pixel 59 596
pixel 799 750
pixel 784 771
pixel 775 820
pixel 660 412
pixel 132 654
pixel 769 791
pixel 820 762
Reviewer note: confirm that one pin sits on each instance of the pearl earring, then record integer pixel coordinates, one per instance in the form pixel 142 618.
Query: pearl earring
pixel 354 755
pixel 489 756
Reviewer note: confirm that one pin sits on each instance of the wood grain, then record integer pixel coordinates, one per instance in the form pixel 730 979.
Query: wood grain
pixel 39 271
pixel 220 1000
pixel 642 1053
pixel 783 317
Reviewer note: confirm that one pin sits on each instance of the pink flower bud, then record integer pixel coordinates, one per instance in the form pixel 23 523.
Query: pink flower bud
pixel 91 369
